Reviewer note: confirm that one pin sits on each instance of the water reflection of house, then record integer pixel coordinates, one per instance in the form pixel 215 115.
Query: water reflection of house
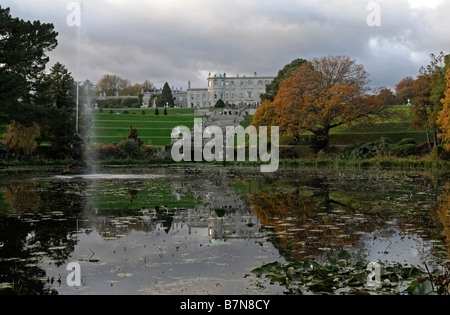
pixel 223 212
pixel 233 226
pixel 219 211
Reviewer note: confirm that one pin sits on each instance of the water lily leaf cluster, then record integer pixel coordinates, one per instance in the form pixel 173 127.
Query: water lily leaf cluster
pixel 340 276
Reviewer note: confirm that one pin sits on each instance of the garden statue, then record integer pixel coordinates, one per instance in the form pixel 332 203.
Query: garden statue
pixel 78 164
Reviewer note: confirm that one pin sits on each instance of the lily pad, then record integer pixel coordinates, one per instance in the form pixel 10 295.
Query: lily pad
pixel 125 275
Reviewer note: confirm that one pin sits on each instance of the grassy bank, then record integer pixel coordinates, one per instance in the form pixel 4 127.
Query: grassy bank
pixel 377 163
pixel 386 163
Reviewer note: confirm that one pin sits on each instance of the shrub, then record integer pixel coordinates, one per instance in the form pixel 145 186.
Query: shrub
pixel 423 149
pixel 439 152
pixel 407 141
pixel 130 149
pixel 111 111
pixel 403 151
pixel 125 112
pixel 367 150
pixel 142 112
pixel 100 110
pixel 129 102
pixel 165 111
pixel 149 150
pixel 107 151
pixel 156 112
pixel 4 152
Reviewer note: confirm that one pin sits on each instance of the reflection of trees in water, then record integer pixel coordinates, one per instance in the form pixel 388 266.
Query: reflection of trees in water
pixel 114 224
pixel 443 214
pixel 325 216
pixel 306 223
pixel 22 197
pixel 42 226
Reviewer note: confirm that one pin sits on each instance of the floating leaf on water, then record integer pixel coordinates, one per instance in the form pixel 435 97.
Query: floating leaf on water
pixel 30 221
pixel 124 275
pixel 57 248
pixel 421 286
pixel 344 255
pixel 6 285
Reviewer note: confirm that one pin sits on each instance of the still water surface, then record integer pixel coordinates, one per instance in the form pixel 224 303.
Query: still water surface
pixel 201 230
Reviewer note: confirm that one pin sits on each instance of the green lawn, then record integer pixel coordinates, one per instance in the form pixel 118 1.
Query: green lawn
pixel 112 128
pixel 396 129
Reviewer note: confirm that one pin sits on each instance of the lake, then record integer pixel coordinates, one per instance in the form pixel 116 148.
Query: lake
pixel 203 229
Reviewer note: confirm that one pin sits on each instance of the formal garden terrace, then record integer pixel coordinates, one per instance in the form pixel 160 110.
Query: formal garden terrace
pixel 111 125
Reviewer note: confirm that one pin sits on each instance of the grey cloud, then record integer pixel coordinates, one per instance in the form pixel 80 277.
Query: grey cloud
pixel 177 41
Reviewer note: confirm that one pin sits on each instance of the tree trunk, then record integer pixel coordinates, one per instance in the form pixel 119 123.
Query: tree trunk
pixel 321 140
pixel 435 137
pixel 428 139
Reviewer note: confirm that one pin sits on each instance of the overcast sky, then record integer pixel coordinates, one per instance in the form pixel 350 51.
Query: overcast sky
pixel 178 41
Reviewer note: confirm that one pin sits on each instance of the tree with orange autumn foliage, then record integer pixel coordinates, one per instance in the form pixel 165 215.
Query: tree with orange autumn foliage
pixel 321 95
pixel 444 116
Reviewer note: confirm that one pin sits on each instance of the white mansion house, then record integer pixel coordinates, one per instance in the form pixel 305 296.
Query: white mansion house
pixel 232 90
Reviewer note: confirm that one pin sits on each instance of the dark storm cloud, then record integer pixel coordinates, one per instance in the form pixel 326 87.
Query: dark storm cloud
pixel 177 41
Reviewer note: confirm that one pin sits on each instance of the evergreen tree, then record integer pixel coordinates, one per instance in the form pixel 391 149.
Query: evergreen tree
pixel 58 88
pixel 55 109
pixel 220 104
pixel 23 49
pixel 166 97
